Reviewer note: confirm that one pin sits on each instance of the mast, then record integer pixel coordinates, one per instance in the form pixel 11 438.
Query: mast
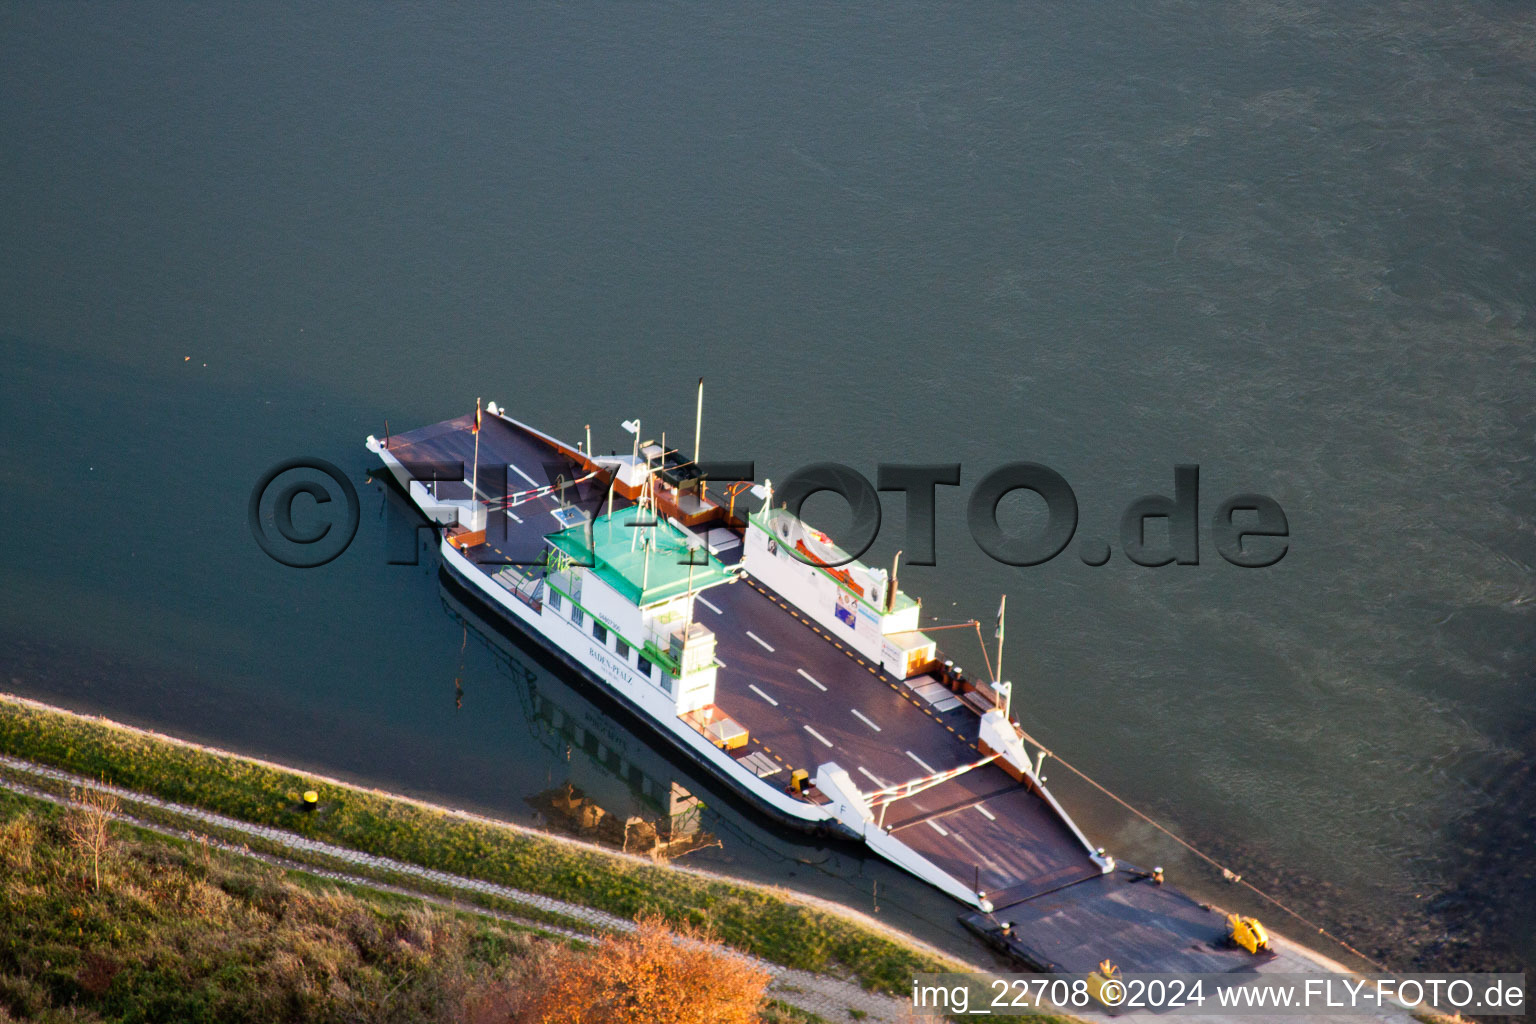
pixel 688 600
pixel 474 480
pixel 647 501
pixel 645 573
pixel 633 426
pixel 1006 689
pixel 698 421
pixel 698 426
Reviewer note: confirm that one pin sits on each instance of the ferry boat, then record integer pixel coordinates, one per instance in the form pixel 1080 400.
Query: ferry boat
pixel 800 676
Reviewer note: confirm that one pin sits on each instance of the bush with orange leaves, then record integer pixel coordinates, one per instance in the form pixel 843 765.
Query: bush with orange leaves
pixel 653 976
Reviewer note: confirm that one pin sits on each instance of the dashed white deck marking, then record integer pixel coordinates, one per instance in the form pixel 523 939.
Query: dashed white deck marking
pixel 525 476
pixel 937 827
pixel 766 645
pixel 870 776
pixel 513 516
pixel 989 814
pixel 818 735
pixel 924 765
pixel 811 679
pixel 760 693
pixel 707 604
pixel 864 718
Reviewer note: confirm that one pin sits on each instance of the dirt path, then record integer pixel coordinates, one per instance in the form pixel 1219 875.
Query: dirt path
pixel 826 996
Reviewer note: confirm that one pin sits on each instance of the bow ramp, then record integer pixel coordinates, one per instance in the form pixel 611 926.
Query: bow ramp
pixel 902 763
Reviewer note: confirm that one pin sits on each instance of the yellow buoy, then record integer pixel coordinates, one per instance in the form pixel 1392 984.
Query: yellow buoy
pixel 311 798
pixel 1248 933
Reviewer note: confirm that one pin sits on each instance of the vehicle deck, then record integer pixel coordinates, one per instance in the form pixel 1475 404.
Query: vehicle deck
pixel 806 699
pixel 516 535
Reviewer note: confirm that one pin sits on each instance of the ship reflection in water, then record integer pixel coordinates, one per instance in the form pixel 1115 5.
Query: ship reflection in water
pixel 600 780
pixel 568 809
pixel 612 796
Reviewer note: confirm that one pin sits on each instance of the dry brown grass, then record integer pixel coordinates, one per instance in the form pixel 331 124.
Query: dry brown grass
pixel 179 933
pixel 653 976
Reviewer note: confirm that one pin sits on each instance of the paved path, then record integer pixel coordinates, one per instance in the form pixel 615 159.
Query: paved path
pixel 828 997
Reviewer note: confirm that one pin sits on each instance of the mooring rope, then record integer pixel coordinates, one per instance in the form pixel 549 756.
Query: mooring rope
pixel 967 624
pixel 1226 872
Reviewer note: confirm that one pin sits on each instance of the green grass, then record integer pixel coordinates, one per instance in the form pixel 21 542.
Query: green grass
pixel 179 933
pixel 755 920
pixel 152 814
pixel 776 1012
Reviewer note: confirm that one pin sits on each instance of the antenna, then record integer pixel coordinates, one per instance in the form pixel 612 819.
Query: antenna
pixel 890 590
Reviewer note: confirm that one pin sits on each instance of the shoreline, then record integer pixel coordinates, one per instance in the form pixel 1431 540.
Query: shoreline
pixel 916 954
pixel 812 993
pixel 912 946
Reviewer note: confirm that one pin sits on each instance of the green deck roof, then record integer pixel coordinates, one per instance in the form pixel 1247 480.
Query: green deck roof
pixel 620 557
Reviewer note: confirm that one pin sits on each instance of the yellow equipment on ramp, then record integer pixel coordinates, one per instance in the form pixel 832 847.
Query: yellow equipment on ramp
pixel 1107 976
pixel 1248 933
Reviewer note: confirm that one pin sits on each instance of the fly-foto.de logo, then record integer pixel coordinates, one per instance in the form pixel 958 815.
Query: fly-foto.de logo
pixel 291 515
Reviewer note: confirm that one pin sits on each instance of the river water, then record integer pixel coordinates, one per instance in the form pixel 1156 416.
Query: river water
pixel 1293 243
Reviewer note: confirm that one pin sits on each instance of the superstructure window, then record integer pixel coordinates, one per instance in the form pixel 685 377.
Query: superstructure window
pixel 600 631
pixel 644 666
pixel 576 615
pixel 621 648
pixel 554 599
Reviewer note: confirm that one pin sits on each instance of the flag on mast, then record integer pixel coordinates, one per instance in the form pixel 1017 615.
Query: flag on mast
pixel 476 428
pixel 1003 604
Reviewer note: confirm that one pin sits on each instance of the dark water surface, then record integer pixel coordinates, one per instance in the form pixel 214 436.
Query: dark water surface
pixel 1294 243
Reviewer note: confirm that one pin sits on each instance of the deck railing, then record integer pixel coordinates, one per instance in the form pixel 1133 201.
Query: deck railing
pixel 527 588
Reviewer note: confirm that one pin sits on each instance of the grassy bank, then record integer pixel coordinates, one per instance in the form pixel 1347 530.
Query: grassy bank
pixel 761 921
pixel 145 928
pixel 177 933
